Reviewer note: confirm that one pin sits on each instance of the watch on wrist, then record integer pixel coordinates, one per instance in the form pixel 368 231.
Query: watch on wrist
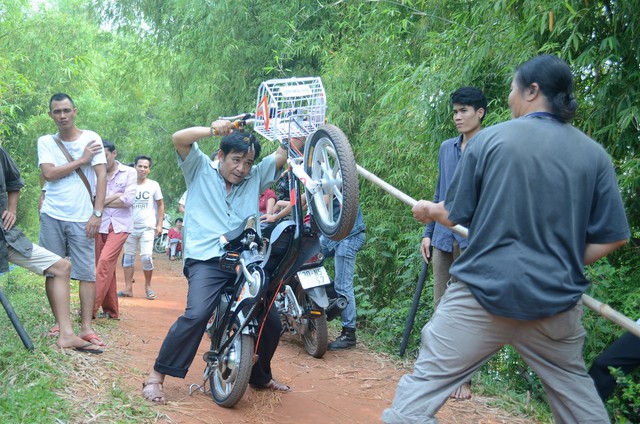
pixel 97 214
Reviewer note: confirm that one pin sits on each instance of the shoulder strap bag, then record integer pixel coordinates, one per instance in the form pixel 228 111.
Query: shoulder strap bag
pixel 66 153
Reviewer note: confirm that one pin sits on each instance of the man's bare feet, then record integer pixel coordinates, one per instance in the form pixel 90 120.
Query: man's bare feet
pixel 462 393
pixel 93 338
pixel 75 342
pixel 153 392
pixel 152 389
pixel 274 386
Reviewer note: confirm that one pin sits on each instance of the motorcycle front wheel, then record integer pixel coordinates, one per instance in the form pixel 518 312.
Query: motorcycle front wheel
pixel 160 243
pixel 230 378
pixel 329 160
pixel 315 339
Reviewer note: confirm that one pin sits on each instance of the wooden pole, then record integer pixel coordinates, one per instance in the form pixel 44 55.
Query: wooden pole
pixel 600 308
pixel 611 314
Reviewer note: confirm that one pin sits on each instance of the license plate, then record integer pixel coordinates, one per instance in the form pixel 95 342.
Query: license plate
pixel 314 277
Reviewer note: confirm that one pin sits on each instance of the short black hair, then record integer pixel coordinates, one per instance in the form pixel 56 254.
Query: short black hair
pixel 58 97
pixel 470 96
pixel 240 141
pixel 137 158
pixel 108 145
pixel 178 220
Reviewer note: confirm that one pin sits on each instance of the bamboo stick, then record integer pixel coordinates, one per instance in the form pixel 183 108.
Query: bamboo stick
pixel 611 314
pixel 600 308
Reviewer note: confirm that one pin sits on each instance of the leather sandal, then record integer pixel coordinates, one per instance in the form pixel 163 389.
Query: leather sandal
pixel 153 391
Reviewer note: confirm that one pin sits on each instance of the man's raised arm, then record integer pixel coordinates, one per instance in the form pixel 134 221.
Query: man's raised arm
pixel 183 139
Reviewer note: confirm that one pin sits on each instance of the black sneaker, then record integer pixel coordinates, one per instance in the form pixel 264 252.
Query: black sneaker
pixel 346 340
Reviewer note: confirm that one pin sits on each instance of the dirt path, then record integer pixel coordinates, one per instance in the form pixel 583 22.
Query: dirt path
pixel 352 386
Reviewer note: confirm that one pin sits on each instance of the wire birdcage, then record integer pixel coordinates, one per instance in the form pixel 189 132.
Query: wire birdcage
pixel 292 107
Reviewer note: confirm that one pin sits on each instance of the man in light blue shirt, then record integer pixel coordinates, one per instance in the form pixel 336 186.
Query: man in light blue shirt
pixel 221 194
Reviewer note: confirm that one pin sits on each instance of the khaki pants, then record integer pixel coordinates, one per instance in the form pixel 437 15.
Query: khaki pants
pixel 462 336
pixel 441 262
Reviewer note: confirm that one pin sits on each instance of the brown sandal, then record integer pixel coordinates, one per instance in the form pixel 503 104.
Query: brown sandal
pixel 153 392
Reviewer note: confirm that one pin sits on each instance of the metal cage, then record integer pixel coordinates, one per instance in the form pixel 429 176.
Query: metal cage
pixel 292 107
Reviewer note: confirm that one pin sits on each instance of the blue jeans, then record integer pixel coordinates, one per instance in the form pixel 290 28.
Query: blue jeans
pixel 345 262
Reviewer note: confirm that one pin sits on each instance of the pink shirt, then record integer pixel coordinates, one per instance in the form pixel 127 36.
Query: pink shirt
pixel 123 181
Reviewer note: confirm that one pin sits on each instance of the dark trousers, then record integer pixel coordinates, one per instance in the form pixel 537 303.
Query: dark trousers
pixel 261 372
pixel 624 353
pixel 206 281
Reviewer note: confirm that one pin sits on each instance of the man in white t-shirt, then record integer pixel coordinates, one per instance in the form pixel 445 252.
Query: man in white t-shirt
pixel 148 215
pixel 69 223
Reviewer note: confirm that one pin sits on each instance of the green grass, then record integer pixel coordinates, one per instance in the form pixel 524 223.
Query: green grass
pixel 48 385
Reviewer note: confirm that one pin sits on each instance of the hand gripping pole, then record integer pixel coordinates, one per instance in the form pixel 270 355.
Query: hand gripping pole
pixel 598 307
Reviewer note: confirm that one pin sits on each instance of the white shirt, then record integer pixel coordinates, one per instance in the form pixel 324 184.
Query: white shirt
pixel 145 206
pixel 67 199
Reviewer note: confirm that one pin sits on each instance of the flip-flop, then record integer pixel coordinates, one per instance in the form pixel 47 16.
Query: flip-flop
pixel 84 349
pixel 124 294
pixel 54 332
pixel 151 295
pixel 93 339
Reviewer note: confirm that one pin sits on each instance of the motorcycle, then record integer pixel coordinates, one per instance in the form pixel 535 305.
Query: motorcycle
pixel 307 302
pixel 265 266
pixel 160 242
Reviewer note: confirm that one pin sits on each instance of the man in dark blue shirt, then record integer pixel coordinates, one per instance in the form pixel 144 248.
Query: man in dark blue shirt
pixel 469 106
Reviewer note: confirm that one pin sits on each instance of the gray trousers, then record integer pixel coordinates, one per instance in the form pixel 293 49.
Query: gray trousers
pixel 441 262
pixel 462 336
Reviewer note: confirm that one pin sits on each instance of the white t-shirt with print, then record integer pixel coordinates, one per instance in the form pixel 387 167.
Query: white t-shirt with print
pixel 145 206
pixel 67 199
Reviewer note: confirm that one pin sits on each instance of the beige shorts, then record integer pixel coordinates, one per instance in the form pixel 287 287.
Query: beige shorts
pixel 41 259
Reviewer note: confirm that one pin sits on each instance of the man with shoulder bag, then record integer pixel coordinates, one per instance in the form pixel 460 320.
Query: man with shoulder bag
pixel 73 165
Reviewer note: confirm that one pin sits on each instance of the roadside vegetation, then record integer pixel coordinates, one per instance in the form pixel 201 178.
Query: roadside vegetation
pixel 51 385
pixel 138 71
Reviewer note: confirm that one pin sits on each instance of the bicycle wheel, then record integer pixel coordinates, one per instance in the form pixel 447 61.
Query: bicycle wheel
pixel 230 376
pixel 160 243
pixel 328 159
pixel 316 337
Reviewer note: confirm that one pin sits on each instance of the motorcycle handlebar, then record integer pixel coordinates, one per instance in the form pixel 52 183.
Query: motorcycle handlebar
pixel 241 120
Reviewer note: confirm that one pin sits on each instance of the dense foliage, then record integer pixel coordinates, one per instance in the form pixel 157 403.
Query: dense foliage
pixel 139 70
